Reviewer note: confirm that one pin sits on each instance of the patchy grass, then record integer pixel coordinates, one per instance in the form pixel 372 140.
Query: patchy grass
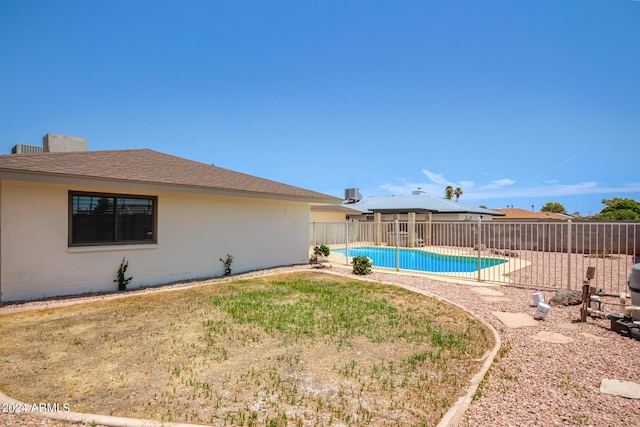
pixel 296 349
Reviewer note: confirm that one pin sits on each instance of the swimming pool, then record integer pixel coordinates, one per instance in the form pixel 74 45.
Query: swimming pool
pixel 414 259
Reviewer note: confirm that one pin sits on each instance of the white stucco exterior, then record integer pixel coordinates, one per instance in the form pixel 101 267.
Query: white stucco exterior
pixel 328 217
pixel 194 230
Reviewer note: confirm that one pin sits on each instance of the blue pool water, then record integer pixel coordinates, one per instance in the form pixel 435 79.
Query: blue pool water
pixel 413 259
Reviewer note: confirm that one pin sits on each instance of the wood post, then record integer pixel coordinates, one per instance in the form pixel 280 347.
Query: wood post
pixel 586 300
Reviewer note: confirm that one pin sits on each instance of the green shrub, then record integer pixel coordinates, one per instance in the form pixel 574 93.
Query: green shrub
pixel 321 250
pixel 317 251
pixel 361 265
pixel 121 278
pixel 227 264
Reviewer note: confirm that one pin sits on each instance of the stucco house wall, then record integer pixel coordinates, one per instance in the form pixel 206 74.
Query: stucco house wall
pixel 328 217
pixel 202 213
pixel 193 232
pixel 331 213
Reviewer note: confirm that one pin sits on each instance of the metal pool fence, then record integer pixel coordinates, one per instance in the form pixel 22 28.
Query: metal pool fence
pixel 553 254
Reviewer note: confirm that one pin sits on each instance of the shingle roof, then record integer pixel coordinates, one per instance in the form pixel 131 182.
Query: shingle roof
pixel 416 203
pixel 152 167
pixel 518 213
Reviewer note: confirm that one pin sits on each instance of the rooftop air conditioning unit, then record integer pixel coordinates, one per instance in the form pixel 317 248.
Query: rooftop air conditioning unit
pixel 25 149
pixel 352 195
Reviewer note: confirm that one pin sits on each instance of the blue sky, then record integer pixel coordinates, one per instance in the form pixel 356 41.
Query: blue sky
pixel 517 102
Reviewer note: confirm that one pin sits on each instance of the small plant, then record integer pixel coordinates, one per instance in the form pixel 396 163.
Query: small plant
pixel 121 279
pixel 227 264
pixel 361 265
pixel 317 252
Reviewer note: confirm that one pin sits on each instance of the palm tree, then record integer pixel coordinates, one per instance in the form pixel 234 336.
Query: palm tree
pixel 458 193
pixel 448 192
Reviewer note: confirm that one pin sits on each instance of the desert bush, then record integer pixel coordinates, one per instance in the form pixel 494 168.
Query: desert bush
pixel 361 265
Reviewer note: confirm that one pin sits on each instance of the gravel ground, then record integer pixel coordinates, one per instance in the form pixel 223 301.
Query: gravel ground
pixel 531 383
pixel 549 269
pixel 535 383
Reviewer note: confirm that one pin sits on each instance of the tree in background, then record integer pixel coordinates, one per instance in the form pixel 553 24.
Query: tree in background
pixel 458 193
pixel 613 201
pixel 618 209
pixel 448 192
pixel 554 207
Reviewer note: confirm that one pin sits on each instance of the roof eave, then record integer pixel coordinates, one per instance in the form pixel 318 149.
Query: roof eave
pixel 69 179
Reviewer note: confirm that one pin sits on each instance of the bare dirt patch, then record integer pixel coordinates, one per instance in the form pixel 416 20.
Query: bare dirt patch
pixel 301 349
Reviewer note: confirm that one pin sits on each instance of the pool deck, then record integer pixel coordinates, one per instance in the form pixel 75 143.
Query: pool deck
pixel 498 273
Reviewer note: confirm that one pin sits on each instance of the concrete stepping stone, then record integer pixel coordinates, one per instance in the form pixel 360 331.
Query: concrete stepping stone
pixel 496 299
pixel 487 292
pixel 552 337
pixel 569 326
pixel 515 320
pixel 627 389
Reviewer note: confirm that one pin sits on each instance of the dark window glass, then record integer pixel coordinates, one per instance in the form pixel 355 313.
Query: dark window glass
pixel 135 219
pixel 111 219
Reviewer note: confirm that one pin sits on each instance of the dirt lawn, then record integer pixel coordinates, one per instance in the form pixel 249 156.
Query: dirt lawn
pixel 296 349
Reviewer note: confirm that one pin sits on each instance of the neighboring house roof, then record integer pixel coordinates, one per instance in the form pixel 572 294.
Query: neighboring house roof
pixel 517 213
pixel 418 203
pixel 335 209
pixel 144 166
